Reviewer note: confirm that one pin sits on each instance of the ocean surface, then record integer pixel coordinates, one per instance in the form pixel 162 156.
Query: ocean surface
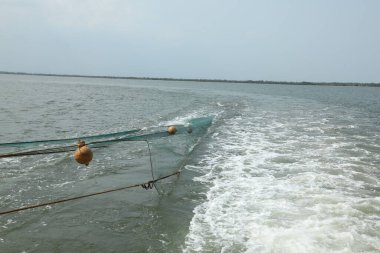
pixel 283 168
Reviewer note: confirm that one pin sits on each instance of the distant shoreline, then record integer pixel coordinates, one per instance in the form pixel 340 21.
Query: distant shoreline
pixel 200 80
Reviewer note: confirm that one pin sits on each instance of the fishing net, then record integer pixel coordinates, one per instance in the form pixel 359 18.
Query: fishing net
pixel 149 158
pixel 166 155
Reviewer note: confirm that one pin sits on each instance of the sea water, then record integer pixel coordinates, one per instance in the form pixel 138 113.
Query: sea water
pixel 283 168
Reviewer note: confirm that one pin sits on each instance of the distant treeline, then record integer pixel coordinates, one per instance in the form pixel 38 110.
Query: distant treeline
pixel 202 80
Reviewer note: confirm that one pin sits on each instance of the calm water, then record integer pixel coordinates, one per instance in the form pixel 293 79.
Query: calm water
pixel 282 168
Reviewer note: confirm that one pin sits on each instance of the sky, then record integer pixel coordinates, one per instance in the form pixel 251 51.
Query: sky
pixel 281 40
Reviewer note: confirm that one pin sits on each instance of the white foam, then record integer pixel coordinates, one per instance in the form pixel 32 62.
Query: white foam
pixel 61 184
pixel 278 189
pixel 184 119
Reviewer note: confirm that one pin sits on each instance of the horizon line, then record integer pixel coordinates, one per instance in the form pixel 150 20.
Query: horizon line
pixel 371 84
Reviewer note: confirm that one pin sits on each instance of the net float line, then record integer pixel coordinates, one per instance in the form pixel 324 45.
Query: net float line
pixel 69 140
pixel 132 135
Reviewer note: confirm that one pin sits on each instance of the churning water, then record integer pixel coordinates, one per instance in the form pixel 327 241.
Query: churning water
pixel 282 169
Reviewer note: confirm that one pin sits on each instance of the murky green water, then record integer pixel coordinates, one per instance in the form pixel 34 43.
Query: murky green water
pixel 282 168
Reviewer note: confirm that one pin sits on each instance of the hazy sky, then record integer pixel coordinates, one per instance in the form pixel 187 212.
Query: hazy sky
pixel 311 40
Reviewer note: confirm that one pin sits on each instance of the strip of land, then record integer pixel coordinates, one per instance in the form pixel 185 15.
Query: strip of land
pixel 201 80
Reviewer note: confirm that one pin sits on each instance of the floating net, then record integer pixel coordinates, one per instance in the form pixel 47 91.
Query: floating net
pixel 167 153
pixel 194 127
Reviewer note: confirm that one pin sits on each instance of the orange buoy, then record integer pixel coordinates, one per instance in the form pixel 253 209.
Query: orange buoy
pixel 83 154
pixel 172 130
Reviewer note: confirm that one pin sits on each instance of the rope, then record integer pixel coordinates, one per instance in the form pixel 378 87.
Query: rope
pixel 41 151
pixel 146 186
pixel 64 149
pixel 70 140
pixel 52 150
pixel 61 149
pixel 151 167
pixel 94 144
